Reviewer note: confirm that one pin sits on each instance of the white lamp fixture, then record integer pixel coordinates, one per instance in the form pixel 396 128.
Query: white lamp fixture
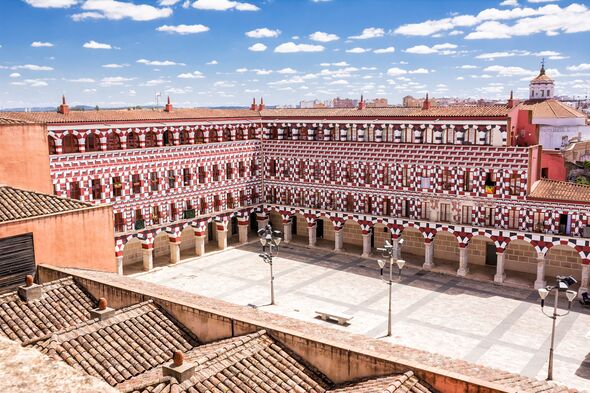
pixel 400 263
pixel 263 241
pixel 381 263
pixel 543 292
pixel 571 295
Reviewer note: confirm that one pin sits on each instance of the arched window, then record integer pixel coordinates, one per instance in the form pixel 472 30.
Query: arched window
pixel 113 141
pixel 92 142
pixel 168 138
pixel 51 144
pixel 132 140
pixel 150 139
pixel 251 133
pixel 240 134
pixel 70 144
pixel 199 136
pixel 226 135
pixel 183 138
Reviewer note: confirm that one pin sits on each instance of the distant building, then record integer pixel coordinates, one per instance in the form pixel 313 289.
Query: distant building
pixel 378 103
pixel 411 102
pixel 344 103
pixel 311 104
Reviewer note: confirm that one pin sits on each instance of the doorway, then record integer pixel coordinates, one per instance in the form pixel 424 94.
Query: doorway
pixel 319 232
pixel 294 225
pixel 234 225
pixel 564 224
pixel 210 231
pixel 491 255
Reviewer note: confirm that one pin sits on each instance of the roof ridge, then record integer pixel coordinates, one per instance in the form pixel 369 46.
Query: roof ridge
pixel 31 192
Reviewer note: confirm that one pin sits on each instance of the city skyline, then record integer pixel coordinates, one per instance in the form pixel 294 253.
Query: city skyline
pixel 212 53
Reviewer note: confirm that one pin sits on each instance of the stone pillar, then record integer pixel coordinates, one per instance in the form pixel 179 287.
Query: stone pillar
pixel 148 256
pixel 175 250
pixel 366 244
pixel 262 221
pixel 584 281
pixel 540 281
pixel 119 264
pixel 396 248
pixel 221 235
pixel 463 261
pixel 428 255
pixel 500 275
pixel 338 239
pixel 287 230
pixel 243 230
pixel 200 242
pixel 311 230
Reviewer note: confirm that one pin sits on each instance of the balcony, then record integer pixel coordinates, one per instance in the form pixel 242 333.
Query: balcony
pixel 139 224
pixel 188 213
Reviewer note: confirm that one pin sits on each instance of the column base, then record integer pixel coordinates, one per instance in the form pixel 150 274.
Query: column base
pixel 540 284
pixel 427 266
pixel 462 272
pixel 499 278
pixel 366 255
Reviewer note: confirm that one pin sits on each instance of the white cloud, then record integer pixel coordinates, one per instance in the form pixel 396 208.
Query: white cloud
pixel 51 3
pixel 89 91
pixel 579 67
pixel 258 47
pixel 442 49
pixel 395 71
pixel 40 44
pixel 191 75
pixel 242 70
pixel 184 29
pixel 369 32
pixel 32 67
pixel 509 3
pixel 262 71
pixel 212 62
pixel 291 47
pixel 81 80
pixel 287 71
pixel 31 83
pixel 509 71
pixel 223 5
pixel 459 78
pixel 419 71
pixel 114 65
pixel 389 49
pixel 467 67
pixel 456 32
pixel 320 36
pixel 553 55
pixel 167 3
pixel 357 50
pixel 339 82
pixel 115 81
pixel 14 75
pixel 159 63
pixel 154 82
pixel 96 45
pixel 117 10
pixel 263 33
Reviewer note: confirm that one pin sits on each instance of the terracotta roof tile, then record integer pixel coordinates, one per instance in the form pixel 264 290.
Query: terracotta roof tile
pixel 551 109
pixel 136 339
pixel 4 121
pixel 63 304
pixel 560 191
pixel 17 204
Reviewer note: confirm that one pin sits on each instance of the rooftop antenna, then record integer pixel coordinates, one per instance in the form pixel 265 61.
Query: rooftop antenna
pixel 158 94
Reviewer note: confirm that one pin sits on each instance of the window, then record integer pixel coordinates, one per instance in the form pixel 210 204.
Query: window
pixel 171 179
pixel 272 167
pixel 202 175
pixel 369 207
pixel 405 208
pixel 350 202
pixel 387 207
pixel 51 145
pixel 467 180
pixel 287 170
pixel 216 203
pixel 173 212
pixel 136 184
pixel 188 212
pixel 444 212
pixel 186 177
pixel 155 215
pixel 489 219
pixel 405 177
pixel 466 215
pixel 490 183
pixel 168 138
pixel 183 138
pixel 425 211
pixel 512 219
pixel 117 186
pixel 368 175
pixel 253 167
pixel 154 181
pixel 425 179
pixel 203 206
pixel 229 200
pixel 96 190
pixel 199 136
pixel 132 140
pixel 75 190
pixel 241 169
pixel 228 171
pixel 301 169
pixel 242 200
pixel 386 176
pixel 347 173
pixel 151 140
pixel 514 184
pixel 538 222
pixel 544 173
pixel 139 222
pixel 446 179
pixel 92 142
pixel 113 141
pixel 542 93
pixel 215 173
pixel 119 222
pixel 69 144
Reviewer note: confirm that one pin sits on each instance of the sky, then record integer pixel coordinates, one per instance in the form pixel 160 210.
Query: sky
pixel 224 52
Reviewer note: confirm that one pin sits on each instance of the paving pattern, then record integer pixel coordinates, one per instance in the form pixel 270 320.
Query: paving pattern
pixel 500 327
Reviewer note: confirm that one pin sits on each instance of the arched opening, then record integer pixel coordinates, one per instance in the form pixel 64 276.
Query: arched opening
pixel 199 136
pixel 92 142
pixel 162 249
pixel 132 140
pixel 183 138
pixel 251 133
pixel 563 261
pixel 168 138
pixel 113 141
pixel 187 245
pixel 380 234
pixel 240 134
pixel 226 135
pixel 151 140
pixel 132 256
pixel 520 262
pixel 51 145
pixel 446 251
pixel 70 144
pixel 413 246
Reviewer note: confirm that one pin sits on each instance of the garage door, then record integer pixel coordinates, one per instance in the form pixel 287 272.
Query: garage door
pixel 17 259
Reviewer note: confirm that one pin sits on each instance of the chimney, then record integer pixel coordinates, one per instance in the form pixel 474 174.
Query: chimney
pixel 64 109
pixel 426 103
pixel 253 106
pixel 510 101
pixel 178 369
pixel 261 106
pixel 168 107
pixel 30 291
pixel 362 103
pixel 102 312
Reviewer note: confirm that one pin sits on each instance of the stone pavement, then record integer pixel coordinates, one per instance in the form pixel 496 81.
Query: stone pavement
pixel 500 327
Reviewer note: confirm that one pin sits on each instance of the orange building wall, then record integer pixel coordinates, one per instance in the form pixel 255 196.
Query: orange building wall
pixel 523 132
pixel 25 158
pixel 81 239
pixel 555 163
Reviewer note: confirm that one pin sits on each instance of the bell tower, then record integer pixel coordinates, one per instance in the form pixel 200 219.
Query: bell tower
pixel 542 87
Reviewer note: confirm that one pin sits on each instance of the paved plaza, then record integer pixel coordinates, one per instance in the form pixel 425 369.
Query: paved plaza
pixel 500 327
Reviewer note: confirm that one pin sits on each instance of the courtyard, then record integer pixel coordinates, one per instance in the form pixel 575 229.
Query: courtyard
pixel 497 326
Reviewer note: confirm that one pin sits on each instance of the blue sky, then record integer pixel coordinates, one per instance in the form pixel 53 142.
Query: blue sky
pixel 224 52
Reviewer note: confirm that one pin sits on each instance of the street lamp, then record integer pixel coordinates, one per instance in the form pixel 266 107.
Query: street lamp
pixel 270 240
pixel 388 252
pixel 563 283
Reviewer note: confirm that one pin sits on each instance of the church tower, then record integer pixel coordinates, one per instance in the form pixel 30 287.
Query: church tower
pixel 542 87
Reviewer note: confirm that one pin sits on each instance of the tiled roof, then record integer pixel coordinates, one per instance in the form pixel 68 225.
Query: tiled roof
pixel 135 339
pixel 17 204
pixel 256 362
pixel 550 109
pixel 433 112
pixel 63 304
pixel 560 191
pixel 9 122
pixel 128 115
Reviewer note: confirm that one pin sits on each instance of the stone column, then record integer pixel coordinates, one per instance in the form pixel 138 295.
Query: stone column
pixel 200 242
pixel 500 275
pixel 120 264
pixel 396 248
pixel 540 281
pixel 287 230
pixel 243 230
pixel 463 261
pixel 262 222
pixel 366 244
pixel 148 256
pixel 311 230
pixel 428 255
pixel 338 239
pixel 175 250
pixel 584 281
pixel 221 235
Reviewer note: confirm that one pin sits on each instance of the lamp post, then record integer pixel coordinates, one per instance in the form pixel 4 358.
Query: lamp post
pixel 270 240
pixel 387 251
pixel 563 283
